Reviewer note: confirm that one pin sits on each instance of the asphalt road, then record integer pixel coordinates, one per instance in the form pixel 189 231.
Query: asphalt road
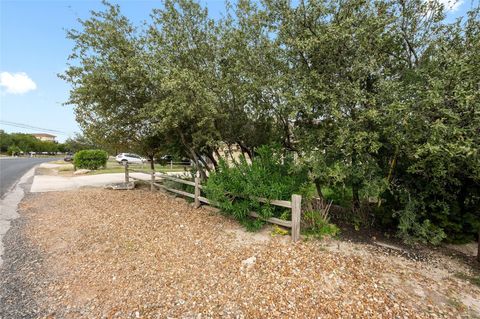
pixel 11 169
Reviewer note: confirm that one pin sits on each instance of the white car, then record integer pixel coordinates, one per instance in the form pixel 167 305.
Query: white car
pixel 130 158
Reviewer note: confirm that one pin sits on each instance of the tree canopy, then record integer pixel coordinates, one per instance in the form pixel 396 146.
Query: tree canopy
pixel 380 99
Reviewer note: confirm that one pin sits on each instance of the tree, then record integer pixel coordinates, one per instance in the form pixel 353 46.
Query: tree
pixel 378 98
pixel 5 141
pixel 249 86
pixel 110 87
pixel 79 142
pixel 182 43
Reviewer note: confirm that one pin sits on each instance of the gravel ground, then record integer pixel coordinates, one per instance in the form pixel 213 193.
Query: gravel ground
pixel 98 253
pixel 21 275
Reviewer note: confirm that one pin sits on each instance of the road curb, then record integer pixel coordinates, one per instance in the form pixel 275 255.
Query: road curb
pixel 9 205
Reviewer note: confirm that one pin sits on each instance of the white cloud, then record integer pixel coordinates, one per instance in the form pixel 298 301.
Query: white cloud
pixel 16 83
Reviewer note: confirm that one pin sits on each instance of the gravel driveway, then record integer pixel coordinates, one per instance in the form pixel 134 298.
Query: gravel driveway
pixel 96 253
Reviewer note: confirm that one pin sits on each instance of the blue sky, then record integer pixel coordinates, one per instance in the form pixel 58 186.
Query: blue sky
pixel 33 50
pixel 32 41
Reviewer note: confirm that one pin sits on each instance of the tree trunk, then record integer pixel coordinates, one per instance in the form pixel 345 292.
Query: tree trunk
pixel 318 186
pixel 152 163
pixel 246 150
pixel 355 185
pixel 204 163
pixel 478 250
pixel 230 152
pixel 203 176
pixel 217 153
pixel 213 160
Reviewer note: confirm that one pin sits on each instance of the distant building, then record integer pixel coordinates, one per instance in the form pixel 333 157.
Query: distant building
pixel 44 137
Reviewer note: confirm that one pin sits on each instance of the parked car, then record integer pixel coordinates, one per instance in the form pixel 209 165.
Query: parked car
pixel 165 159
pixel 130 158
pixel 68 157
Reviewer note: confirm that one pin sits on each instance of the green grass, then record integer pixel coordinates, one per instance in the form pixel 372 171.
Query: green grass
pixel 474 280
pixel 59 162
pixel 66 168
pixel 114 167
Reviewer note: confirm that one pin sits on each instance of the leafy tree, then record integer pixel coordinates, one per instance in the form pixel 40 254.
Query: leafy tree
pixel 14 150
pixel 79 142
pixel 380 98
pixel 5 141
pixel 182 42
pixel 110 88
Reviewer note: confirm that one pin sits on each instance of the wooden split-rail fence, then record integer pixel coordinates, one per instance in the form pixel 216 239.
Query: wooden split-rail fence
pixel 295 204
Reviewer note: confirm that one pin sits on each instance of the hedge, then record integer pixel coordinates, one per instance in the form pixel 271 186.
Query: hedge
pixel 90 159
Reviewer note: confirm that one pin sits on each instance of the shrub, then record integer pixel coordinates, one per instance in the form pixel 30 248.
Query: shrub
pixel 234 188
pixel 13 150
pixel 90 159
pixel 317 226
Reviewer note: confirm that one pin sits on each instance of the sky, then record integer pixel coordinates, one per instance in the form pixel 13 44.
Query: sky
pixel 34 49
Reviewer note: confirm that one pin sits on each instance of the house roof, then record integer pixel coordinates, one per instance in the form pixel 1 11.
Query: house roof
pixel 43 135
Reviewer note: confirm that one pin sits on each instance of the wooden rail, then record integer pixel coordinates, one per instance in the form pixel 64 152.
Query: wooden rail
pixel 295 204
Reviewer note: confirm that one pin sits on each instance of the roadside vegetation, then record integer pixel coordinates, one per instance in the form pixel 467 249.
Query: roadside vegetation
pixel 23 144
pixel 90 159
pixel 373 105
pixel 113 167
pixel 20 143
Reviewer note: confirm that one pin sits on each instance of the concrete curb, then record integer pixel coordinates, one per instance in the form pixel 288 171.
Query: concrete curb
pixel 9 205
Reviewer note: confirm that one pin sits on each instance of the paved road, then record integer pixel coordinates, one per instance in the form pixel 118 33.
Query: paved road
pixel 11 169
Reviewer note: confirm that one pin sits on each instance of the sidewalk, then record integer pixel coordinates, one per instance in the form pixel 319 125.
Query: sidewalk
pixel 54 183
pixel 48 183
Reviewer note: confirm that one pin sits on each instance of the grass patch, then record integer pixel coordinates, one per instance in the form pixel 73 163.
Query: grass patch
pixel 58 162
pixel 316 226
pixel 114 167
pixel 121 169
pixel 474 280
pixel 66 168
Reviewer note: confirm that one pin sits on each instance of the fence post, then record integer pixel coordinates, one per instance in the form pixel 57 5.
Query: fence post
pixel 152 181
pixel 127 178
pixel 296 216
pixel 197 191
pixel 171 164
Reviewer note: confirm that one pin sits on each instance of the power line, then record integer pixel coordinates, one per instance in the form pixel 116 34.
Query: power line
pixel 31 127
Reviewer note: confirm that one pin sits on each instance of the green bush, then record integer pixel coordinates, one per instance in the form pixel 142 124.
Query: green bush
pixel 234 188
pixel 316 226
pixel 90 159
pixel 13 150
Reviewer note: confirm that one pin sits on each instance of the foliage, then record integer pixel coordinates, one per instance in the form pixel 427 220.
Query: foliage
pixel 90 159
pixel 79 142
pixel 475 280
pixel 235 188
pixel 110 86
pixel 279 231
pixel 26 143
pixel 316 226
pixel 374 99
pixel 13 150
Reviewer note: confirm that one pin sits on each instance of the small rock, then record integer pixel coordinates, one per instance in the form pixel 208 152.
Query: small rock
pixel 121 186
pixel 249 262
pixel 81 171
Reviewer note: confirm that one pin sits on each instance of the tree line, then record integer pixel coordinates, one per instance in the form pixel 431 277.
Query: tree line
pixel 376 99
pixel 24 143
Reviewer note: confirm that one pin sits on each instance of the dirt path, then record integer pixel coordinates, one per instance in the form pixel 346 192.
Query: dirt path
pixel 133 254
